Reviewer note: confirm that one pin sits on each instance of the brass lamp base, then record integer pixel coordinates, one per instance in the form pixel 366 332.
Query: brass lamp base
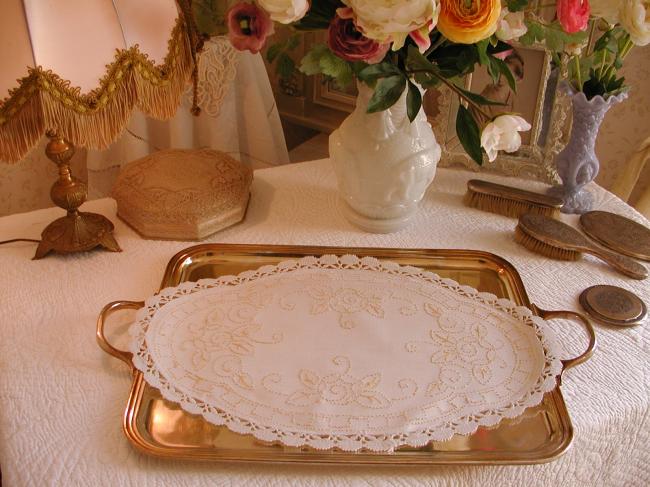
pixel 77 231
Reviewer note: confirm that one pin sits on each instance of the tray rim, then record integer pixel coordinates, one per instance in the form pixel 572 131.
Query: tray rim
pixel 172 277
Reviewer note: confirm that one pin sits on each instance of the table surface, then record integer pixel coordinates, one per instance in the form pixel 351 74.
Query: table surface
pixel 62 398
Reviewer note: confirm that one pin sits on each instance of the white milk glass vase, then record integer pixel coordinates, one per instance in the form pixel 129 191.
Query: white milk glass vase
pixel 383 163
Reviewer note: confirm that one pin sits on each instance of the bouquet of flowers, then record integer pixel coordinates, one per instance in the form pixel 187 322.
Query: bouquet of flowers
pixel 395 47
pixel 614 27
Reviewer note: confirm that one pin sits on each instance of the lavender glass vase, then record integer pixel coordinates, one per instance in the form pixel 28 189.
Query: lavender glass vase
pixel 577 164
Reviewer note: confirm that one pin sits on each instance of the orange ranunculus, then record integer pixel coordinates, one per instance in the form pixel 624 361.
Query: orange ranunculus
pixel 468 21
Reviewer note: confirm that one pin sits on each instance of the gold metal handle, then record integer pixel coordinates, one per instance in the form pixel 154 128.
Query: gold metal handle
pixel 101 338
pixel 572 315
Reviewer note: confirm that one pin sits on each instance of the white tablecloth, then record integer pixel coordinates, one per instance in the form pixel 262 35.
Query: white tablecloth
pixel 61 398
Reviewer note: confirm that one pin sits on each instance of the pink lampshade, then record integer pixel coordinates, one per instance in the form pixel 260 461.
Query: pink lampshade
pixel 77 40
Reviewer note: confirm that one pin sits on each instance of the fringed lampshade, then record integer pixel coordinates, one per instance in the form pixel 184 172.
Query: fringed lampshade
pixel 75 69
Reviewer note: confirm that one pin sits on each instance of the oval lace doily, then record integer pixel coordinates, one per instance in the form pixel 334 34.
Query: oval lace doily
pixel 344 352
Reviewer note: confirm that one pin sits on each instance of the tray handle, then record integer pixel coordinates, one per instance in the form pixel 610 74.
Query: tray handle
pixel 101 338
pixel 572 315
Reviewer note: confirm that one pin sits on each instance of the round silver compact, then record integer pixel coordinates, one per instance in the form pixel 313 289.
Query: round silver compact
pixel 613 305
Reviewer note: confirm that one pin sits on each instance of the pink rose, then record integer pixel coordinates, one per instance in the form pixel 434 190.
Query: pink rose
pixel 348 43
pixel 248 26
pixel 573 15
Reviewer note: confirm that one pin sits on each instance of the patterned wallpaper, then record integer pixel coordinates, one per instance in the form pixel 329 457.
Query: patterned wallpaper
pixel 25 186
pixel 627 125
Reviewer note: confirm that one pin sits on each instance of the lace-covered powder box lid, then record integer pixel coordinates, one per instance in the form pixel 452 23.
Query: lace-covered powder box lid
pixel 183 194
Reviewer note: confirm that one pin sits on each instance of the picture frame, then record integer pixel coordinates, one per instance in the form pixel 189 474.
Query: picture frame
pixel 537 99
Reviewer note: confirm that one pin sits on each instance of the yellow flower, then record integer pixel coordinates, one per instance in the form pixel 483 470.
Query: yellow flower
pixel 468 21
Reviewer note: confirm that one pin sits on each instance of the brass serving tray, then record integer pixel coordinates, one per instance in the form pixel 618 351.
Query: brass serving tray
pixel 161 428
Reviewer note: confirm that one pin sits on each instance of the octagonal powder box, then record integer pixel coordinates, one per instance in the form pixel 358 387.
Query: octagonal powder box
pixel 181 194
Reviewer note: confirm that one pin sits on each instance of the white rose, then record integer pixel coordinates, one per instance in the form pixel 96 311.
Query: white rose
pixel 511 25
pixel 503 134
pixel 391 21
pixel 285 11
pixel 606 9
pixel 635 18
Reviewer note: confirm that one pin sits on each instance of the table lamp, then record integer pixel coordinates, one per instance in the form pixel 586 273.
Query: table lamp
pixel 75 70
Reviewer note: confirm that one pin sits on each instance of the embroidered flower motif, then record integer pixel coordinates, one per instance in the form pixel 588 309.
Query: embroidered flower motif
pixel 225 336
pixel 347 302
pixel 339 388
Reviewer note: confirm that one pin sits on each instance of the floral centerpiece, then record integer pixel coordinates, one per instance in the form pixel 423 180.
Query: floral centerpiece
pixel 385 153
pixel 393 47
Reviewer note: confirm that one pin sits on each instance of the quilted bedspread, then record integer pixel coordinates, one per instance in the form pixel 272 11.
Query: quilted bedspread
pixel 62 398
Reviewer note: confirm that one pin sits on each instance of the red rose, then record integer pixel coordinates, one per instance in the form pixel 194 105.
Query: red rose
pixel 573 15
pixel 248 26
pixel 348 43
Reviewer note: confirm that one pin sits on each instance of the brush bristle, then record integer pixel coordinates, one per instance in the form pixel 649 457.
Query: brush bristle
pixel 505 206
pixel 531 243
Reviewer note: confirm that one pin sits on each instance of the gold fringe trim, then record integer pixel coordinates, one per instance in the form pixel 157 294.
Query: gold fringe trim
pixel 43 101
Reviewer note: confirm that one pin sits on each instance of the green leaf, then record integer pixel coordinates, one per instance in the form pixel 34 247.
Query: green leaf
pixel 321 60
pixel 285 66
pixel 426 71
pixel 373 72
pixel 273 51
pixel 481 49
pixel 555 37
pixel 468 134
pixel 310 64
pixel 498 47
pixel 413 101
pixel 534 33
pixel 358 66
pixel 293 42
pixel 478 99
pixel 426 80
pixel 502 68
pixel 516 5
pixel 416 61
pixel 333 66
pixel 449 60
pixel 603 41
pixel 387 92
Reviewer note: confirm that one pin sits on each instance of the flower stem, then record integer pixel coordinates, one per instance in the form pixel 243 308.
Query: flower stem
pixel 578 74
pixel 602 63
pixel 453 88
pixel 626 48
pixel 592 28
